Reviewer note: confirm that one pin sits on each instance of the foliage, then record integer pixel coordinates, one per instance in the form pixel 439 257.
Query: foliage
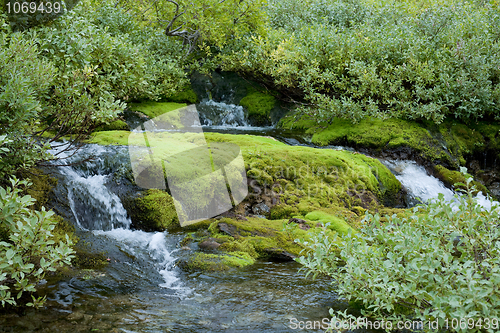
pixel 24 81
pixel 27 248
pixel 440 262
pixel 356 59
pixel 76 73
pixel 200 24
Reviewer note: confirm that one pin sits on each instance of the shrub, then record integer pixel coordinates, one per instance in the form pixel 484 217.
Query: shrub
pixel 27 247
pixel 357 59
pixel 440 262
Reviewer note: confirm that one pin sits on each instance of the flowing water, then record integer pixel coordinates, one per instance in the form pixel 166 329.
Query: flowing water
pixel 142 289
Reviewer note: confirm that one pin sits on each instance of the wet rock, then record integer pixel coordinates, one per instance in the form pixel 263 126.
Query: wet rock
pixel 228 229
pixel 304 226
pixel 319 225
pixel 75 316
pixel 208 244
pixel 298 221
pixel 261 209
pixel 280 254
pixel 186 248
pixel 241 217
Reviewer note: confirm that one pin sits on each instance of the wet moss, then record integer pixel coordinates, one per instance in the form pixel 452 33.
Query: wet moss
pixel 218 262
pixel 155 109
pixel 259 106
pixel 153 211
pixel 334 223
pixel 88 260
pixel 450 178
pixel 63 227
pixel 41 186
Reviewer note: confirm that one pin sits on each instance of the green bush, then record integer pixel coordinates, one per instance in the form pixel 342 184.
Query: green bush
pixel 440 262
pixel 27 247
pixel 402 59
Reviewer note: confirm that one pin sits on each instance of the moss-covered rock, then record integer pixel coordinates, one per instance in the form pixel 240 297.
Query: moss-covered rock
pixel 259 106
pixel 154 210
pixel 300 179
pixel 41 187
pixel 217 262
pixel 448 143
pixel 334 223
pixel 450 178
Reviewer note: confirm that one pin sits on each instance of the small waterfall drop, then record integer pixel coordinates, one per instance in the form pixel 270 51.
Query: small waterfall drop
pixel 420 185
pixel 93 205
pixel 222 115
pixel 97 209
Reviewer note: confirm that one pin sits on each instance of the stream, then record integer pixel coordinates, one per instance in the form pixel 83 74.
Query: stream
pixel 142 290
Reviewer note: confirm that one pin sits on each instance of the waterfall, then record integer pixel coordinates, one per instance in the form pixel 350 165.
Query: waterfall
pixel 97 209
pixel 420 185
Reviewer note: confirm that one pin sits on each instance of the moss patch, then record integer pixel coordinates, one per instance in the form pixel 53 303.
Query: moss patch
pixel 335 223
pixel 117 125
pixel 154 109
pixel 450 178
pixel 41 187
pixel 300 179
pixel 218 262
pixel 153 211
pixel 450 142
pixel 110 138
pixel 259 106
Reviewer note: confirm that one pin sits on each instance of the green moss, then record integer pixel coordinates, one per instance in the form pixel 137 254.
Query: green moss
pixel 304 179
pixel 218 262
pixel 155 109
pixel 63 228
pixel 450 178
pixel 335 223
pixel 110 138
pixel 185 95
pixel 85 259
pixel 117 125
pixel 41 187
pixel 259 106
pixel 450 142
pixel 153 211
pixel 283 211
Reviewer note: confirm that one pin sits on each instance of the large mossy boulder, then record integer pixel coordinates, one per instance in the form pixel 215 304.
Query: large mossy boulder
pixel 240 242
pixel 153 210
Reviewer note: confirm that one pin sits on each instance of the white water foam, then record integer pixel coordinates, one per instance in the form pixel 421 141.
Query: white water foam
pixel 97 208
pixel 222 115
pixel 154 243
pixel 420 184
